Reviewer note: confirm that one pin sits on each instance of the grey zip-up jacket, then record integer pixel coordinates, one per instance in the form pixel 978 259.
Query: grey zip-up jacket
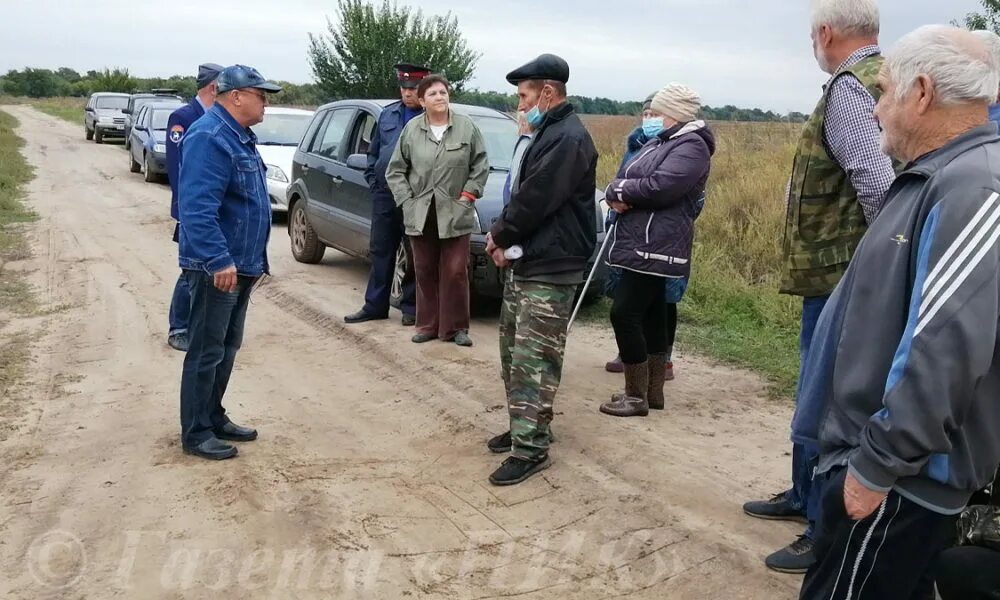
pixel 902 381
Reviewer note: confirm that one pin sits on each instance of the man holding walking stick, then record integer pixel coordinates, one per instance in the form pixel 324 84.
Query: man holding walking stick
pixel 550 216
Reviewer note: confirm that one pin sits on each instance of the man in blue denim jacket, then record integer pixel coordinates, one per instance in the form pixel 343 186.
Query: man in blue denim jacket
pixel 225 222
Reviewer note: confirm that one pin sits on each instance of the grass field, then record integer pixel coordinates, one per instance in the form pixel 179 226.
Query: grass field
pixel 732 310
pixel 70 109
pixel 16 297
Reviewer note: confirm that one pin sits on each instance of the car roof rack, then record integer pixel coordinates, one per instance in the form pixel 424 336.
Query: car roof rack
pixel 163 91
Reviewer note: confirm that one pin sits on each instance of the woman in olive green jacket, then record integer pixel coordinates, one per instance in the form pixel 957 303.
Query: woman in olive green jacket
pixel 436 174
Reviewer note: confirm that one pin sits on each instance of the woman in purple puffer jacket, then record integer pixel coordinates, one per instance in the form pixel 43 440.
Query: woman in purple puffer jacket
pixel 657 196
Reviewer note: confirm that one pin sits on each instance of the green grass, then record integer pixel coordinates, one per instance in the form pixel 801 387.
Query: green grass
pixel 732 311
pixel 16 296
pixel 68 109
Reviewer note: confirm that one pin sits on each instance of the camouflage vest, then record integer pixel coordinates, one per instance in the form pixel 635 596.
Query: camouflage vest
pixel 824 222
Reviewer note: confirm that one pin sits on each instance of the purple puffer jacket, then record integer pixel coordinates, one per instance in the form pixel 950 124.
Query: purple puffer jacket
pixel 665 186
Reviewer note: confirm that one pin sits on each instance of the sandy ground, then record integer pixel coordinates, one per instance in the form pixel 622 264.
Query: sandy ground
pixel 369 479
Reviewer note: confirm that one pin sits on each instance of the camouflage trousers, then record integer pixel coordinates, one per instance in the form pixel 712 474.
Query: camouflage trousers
pixel 533 324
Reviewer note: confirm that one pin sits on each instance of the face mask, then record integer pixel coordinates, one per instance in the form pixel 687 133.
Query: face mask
pixel 652 127
pixel 535 117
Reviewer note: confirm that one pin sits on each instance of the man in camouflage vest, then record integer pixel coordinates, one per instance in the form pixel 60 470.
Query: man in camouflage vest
pixel 839 178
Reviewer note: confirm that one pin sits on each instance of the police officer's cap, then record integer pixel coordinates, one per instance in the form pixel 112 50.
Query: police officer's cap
pixel 409 76
pixel 546 66
pixel 207 73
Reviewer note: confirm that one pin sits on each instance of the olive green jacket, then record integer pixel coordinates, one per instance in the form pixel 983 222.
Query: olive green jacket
pixel 423 170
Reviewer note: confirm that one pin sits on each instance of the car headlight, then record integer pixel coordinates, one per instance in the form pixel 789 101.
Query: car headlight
pixel 161 148
pixel 276 174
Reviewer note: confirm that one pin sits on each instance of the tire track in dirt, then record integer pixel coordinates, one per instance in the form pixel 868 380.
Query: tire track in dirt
pixel 369 479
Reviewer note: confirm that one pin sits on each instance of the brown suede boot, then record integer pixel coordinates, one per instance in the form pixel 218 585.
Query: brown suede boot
pixel 633 402
pixel 657 375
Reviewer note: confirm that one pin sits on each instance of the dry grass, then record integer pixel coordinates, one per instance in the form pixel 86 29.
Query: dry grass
pixel 69 109
pixel 732 310
pixel 16 296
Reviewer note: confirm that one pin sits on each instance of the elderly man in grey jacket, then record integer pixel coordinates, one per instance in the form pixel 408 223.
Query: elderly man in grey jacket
pixel 903 375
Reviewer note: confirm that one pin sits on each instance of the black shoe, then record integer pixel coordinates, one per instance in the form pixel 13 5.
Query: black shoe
pixel 409 320
pixel 178 341
pixel 235 433
pixel 361 316
pixel 462 339
pixel 500 444
pixel 422 338
pixel 515 470
pixel 795 558
pixel 212 449
pixel 778 508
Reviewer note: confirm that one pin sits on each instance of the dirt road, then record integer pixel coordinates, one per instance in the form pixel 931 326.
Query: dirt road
pixel 369 477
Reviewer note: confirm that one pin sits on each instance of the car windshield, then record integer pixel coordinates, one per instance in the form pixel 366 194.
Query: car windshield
pixel 281 129
pixel 112 102
pixel 159 118
pixel 500 135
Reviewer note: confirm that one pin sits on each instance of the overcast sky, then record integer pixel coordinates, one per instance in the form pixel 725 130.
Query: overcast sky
pixel 745 53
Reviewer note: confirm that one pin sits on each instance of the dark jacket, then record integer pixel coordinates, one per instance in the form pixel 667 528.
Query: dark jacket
pixel 902 380
pixel 224 207
pixel 551 214
pixel 665 186
pixel 633 143
pixel 179 122
pixel 384 139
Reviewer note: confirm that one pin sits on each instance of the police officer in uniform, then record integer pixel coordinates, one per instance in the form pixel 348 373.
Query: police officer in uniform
pixel 387 218
pixel 179 122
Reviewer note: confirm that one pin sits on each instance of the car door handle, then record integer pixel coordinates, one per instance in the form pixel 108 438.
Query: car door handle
pixel 337 179
pixel 305 168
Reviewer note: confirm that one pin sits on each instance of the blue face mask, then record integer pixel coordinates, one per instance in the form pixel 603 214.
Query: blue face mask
pixel 535 117
pixel 652 127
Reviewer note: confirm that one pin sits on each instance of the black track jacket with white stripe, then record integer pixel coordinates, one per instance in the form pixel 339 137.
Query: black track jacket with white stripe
pixel 902 381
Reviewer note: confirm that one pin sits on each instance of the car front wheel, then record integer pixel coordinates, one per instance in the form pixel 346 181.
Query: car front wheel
pixel 90 134
pixel 150 177
pixel 133 166
pixel 98 136
pixel 306 247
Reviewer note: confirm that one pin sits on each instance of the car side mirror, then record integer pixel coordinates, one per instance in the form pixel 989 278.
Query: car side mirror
pixel 126 111
pixel 88 109
pixel 358 162
pixel 138 128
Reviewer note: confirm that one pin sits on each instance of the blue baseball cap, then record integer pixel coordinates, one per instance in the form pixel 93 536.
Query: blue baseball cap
pixel 238 77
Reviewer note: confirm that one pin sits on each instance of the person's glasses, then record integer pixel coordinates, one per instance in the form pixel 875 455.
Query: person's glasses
pixel 261 95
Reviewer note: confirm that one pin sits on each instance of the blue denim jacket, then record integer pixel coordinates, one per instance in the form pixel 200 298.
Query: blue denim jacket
pixel 225 214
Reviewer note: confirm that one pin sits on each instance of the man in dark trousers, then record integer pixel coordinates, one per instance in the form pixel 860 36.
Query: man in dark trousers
pixel 550 218
pixel 224 228
pixel 180 121
pixel 387 219
pixel 901 382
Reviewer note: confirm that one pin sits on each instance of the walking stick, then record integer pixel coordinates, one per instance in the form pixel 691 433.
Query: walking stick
pixel 590 277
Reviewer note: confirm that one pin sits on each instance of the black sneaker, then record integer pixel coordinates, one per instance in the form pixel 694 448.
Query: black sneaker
pixel 500 443
pixel 515 470
pixel 795 558
pixel 178 341
pixel 778 508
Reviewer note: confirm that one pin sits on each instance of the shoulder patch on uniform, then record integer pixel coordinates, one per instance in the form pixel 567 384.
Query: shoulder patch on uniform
pixel 176 132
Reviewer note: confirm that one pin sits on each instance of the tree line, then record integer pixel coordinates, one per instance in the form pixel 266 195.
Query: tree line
pixel 48 83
